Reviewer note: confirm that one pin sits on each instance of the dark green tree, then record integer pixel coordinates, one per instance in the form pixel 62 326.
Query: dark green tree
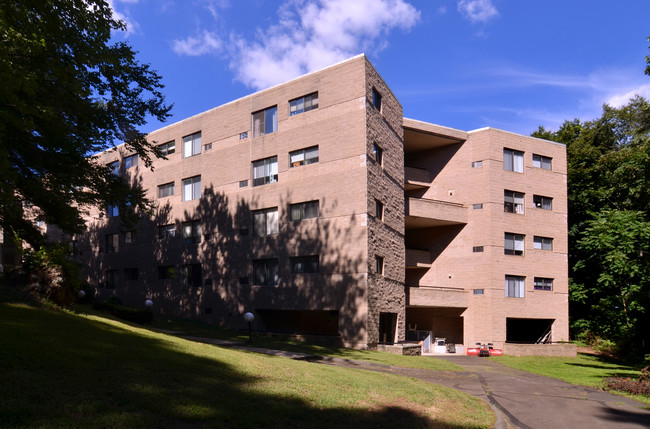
pixel 68 91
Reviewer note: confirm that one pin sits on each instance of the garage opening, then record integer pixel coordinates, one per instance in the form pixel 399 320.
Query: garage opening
pixel 439 322
pixel 311 322
pixel 387 326
pixel 528 331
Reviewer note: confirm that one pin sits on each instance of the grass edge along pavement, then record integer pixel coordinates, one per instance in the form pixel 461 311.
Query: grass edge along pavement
pixel 59 369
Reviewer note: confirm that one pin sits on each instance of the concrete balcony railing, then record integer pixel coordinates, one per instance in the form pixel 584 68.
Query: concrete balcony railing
pixel 431 296
pixel 418 258
pixel 417 178
pixel 424 213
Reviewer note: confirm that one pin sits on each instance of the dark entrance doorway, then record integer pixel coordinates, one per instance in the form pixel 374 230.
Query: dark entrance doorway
pixel 387 326
pixel 528 331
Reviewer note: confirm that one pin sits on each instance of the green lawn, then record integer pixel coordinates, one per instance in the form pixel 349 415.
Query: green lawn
pixel 59 369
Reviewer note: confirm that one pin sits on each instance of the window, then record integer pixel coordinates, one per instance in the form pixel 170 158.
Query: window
pixel 540 161
pixel 478 206
pixel 303 104
pixel 477 249
pixel 243 280
pixel 303 157
pixel 112 243
pixel 243 136
pixel 513 244
pixel 167 231
pixel 513 202
pixel 543 243
pixel 544 203
pixel 111 279
pixel 304 264
pixel 191 275
pixel 192 232
pixel 192 188
pixel 166 272
pixel 477 164
pixel 129 236
pixel 479 291
pixel 376 99
pixel 515 286
pixel 207 147
pixel 168 148
pixel 265 222
pixel 115 167
pixel 265 272
pixel 243 183
pixel 130 274
pixel 192 145
pixel 265 121
pixel 112 210
pixel 543 283
pixel 378 154
pixel 513 160
pixel 166 190
pixel 306 210
pixel 265 171
pixel 379 210
pixel 130 161
pixel 379 265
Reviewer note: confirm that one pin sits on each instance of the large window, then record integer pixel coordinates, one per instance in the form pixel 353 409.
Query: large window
pixel 112 210
pixel 515 286
pixel 192 188
pixel 303 156
pixel 543 283
pixel 303 104
pixel 265 222
pixel 265 121
pixel 191 275
pixel 543 243
pixel 265 171
pixel 306 210
pixel 540 161
pixel 112 243
pixel 513 160
pixel 192 232
pixel 541 202
pixel 513 202
pixel 376 99
pixel 115 167
pixel 192 145
pixel 131 161
pixel 265 272
pixel 168 148
pixel 166 190
pixel 166 231
pixel 513 244
pixel 304 264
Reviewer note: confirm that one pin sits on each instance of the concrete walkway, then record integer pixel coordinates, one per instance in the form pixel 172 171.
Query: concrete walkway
pixel 518 398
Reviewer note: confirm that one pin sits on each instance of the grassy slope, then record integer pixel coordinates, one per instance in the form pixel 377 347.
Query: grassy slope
pixel 58 369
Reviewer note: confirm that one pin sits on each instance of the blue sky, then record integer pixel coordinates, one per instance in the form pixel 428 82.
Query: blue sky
pixel 466 64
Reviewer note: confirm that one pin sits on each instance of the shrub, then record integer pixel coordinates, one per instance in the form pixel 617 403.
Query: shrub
pixel 640 386
pixel 114 307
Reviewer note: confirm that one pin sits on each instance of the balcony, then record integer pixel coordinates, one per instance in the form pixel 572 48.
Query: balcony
pixel 416 178
pixel 418 259
pixel 432 296
pixel 425 213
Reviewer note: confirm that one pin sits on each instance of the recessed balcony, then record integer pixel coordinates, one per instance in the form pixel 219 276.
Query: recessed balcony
pixel 416 258
pixel 425 213
pixel 416 178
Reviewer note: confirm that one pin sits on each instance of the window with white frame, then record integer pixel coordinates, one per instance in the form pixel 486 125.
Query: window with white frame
pixel 265 222
pixel 192 188
pixel 303 156
pixel 515 286
pixel 166 190
pixel 192 232
pixel 303 104
pixel 130 161
pixel 167 231
pixel 540 161
pixel 543 243
pixel 544 203
pixel 265 121
pixel 265 272
pixel 304 210
pixel 513 202
pixel 513 244
pixel 513 160
pixel 543 283
pixel 168 148
pixel 304 264
pixel 112 210
pixel 265 171
pixel 192 145
pixel 477 164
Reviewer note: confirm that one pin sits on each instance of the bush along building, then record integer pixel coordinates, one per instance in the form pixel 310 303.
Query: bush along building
pixel 319 208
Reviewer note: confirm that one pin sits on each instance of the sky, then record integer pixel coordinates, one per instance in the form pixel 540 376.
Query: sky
pixel 466 64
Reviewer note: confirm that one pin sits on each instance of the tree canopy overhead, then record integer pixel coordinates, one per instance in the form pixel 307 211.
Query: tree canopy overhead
pixel 68 91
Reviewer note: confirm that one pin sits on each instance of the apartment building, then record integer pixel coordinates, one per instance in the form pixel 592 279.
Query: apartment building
pixel 317 207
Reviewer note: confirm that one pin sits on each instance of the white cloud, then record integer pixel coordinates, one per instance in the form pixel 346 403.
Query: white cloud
pixel 477 10
pixel 124 15
pixel 618 100
pixel 193 46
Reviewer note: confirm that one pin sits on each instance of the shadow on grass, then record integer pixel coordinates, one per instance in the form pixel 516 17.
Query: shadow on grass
pixel 57 370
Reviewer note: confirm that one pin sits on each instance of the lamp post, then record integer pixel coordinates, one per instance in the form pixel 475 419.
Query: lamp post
pixel 249 317
pixel 148 303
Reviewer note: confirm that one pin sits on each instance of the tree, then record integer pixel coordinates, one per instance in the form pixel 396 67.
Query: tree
pixel 68 91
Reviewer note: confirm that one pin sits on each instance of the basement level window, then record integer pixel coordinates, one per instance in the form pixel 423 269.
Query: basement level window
pixel 477 249
pixel 479 291
pixel 478 206
pixel 477 164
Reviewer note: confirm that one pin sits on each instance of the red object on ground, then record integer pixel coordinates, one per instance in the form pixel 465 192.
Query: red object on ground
pixel 473 351
pixel 496 352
